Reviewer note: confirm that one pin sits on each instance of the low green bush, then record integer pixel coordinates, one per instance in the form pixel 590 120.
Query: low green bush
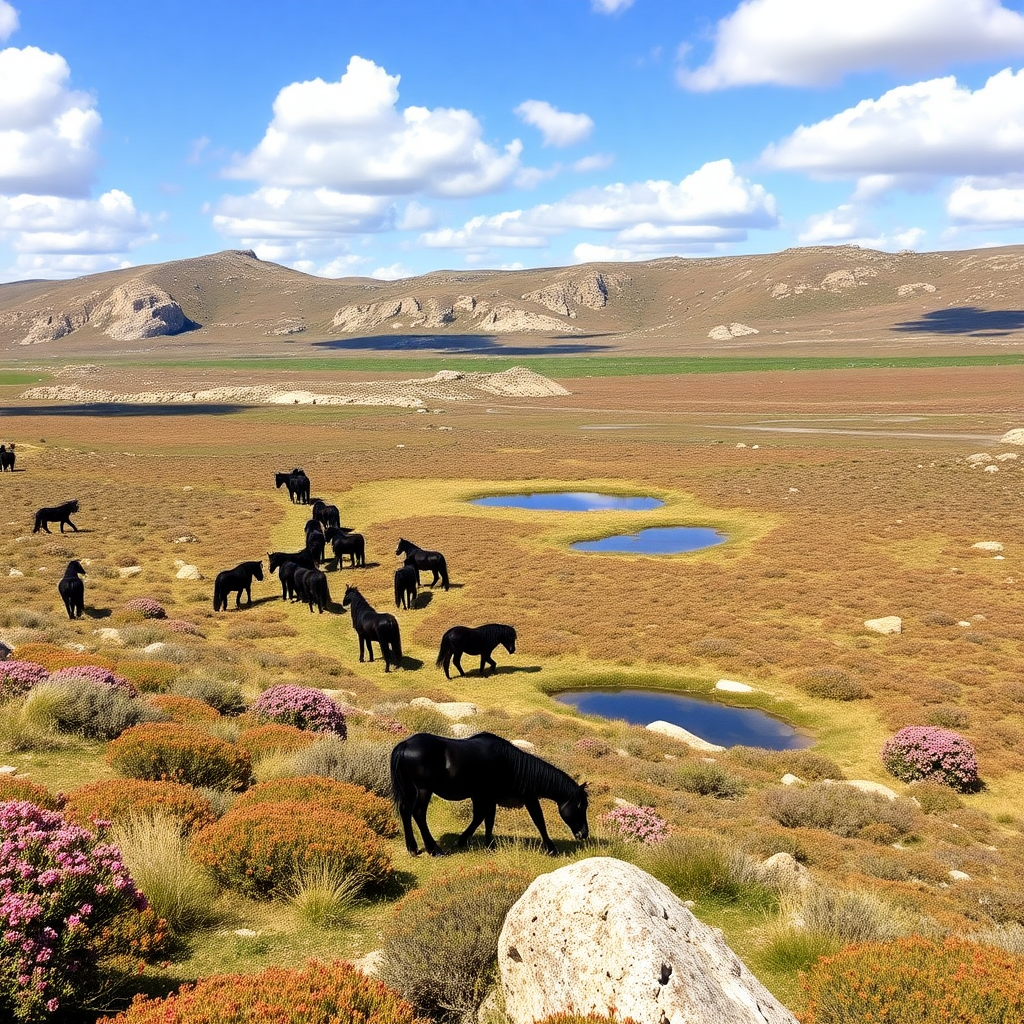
pixel 840 809
pixel 833 684
pixel 708 779
pixel 222 694
pixel 95 711
pixel 364 764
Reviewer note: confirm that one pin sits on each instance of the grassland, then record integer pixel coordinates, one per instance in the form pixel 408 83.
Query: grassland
pixel 845 494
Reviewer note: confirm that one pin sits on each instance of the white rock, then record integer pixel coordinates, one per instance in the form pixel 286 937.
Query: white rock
pixel 524 745
pixel 1007 457
pixel 157 647
pixel 887 624
pixel 677 732
pixel 109 634
pixel 129 570
pixel 187 489
pixel 789 779
pixel 978 459
pixel 8 769
pixel 732 686
pixel 741 445
pixel 370 963
pixel 1015 436
pixel 188 572
pixel 454 709
pixel 15 572
pixel 246 933
pixel 959 876
pixel 991 469
pixel 460 730
pixel 601 933
pixel 988 545
pixel 783 871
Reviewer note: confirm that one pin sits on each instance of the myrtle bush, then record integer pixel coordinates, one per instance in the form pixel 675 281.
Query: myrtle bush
pixel 146 607
pixel 915 981
pixel 839 809
pixel 365 764
pixel 708 779
pixel 441 944
pixel 375 813
pixel 335 993
pixel 17 676
pixel 119 799
pixel 59 888
pixel 14 788
pixel 257 849
pixel 273 738
pixel 301 706
pixel 82 707
pixel 933 754
pixel 96 674
pixel 179 753
pixel 638 824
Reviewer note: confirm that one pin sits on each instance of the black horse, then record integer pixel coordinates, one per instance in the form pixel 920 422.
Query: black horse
pixel 72 589
pixel 315 546
pixel 59 514
pixel 328 515
pixel 407 580
pixel 482 640
pixel 371 625
pixel 277 560
pixel 488 770
pixel 432 560
pixel 345 542
pixel 297 483
pixel 234 581
pixel 311 587
pixel 6 458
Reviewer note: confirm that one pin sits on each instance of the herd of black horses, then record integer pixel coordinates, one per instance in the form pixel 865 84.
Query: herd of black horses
pixel 485 769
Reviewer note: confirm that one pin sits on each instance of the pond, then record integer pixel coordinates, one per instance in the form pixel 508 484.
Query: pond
pixel 571 501
pixel 657 540
pixel 717 723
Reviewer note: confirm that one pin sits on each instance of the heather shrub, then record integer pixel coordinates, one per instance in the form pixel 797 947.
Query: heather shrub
pixel 272 739
pixel 301 706
pixel 59 888
pixel 149 676
pixel 179 753
pixel 96 674
pixel 839 809
pixel 441 945
pixel 592 746
pixel 807 764
pixel 13 788
pixel 18 676
pixel 321 993
pixel 364 764
pixel 223 695
pixel 915 981
pixel 708 780
pixel 375 813
pixel 119 799
pixel 176 708
pixel 182 627
pixel 257 849
pixel 933 754
pixel 934 798
pixel 949 717
pixel 637 824
pixel 80 707
pixel 834 684
pixel 146 608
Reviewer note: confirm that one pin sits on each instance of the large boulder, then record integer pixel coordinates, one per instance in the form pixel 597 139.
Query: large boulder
pixel 603 936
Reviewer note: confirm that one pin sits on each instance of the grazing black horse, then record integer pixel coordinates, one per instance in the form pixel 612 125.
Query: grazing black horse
pixel 371 625
pixel 278 560
pixel 59 514
pixel 72 589
pixel 328 515
pixel 297 483
pixel 6 458
pixel 234 581
pixel 407 579
pixel 432 560
pixel 311 587
pixel 488 770
pixel 315 546
pixel 482 640
pixel 345 542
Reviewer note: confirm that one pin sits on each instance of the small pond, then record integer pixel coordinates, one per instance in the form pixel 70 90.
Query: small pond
pixel 716 723
pixel 657 540
pixel 571 501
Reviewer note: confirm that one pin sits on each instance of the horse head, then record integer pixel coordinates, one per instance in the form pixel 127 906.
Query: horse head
pixel 73 505
pixel 509 643
pixel 403 547
pixel 574 813
pixel 350 594
pixel 258 571
pixel 75 568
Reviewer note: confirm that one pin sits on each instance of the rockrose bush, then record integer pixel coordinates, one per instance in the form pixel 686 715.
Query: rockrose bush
pixel 933 754
pixel 59 890
pixel 17 677
pixel 302 707
pixel 147 607
pixel 121 799
pixel 322 993
pixel 638 824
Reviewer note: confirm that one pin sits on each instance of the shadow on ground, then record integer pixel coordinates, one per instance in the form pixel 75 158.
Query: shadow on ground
pixel 125 409
pixel 965 320
pixel 465 344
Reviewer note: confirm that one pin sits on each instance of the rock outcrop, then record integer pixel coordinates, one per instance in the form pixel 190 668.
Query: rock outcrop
pixel 137 310
pixel 602 936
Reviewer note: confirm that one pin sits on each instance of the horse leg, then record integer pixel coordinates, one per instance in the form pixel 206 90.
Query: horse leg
pixel 410 837
pixel 480 810
pixel 457 659
pixel 533 806
pixel 489 659
pixel 419 813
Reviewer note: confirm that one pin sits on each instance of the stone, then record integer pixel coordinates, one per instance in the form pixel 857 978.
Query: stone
pixel 156 648
pixel 524 745
pixel 959 876
pixel 991 469
pixel 127 571
pixel 460 730
pixel 8 769
pixel 370 962
pixel 978 459
pixel 453 709
pixel 1015 436
pixel 886 625
pixel 732 686
pixel 15 572
pixel 109 634
pixel 988 545
pixel 602 936
pixel 1007 457
pixel 677 732
pixel 784 872
pixel 789 779
pixel 188 572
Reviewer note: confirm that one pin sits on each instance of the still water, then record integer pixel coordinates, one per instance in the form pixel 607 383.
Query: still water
pixel 571 501
pixel 657 540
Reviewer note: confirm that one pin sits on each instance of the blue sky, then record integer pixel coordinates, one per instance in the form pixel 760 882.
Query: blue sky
pixel 388 138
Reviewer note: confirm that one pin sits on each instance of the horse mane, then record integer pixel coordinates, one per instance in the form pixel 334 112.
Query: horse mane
pixel 531 774
pixel 498 632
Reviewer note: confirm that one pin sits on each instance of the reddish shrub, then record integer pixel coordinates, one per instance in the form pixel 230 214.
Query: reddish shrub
pixel 327 793
pixel 273 738
pixel 179 753
pixel 116 799
pixel 12 788
pixel 53 657
pixel 147 607
pixel 183 709
pixel 334 993
pixel 256 849
pixel 149 676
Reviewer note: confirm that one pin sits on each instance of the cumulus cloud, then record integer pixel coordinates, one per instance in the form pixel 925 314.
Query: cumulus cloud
pixel 558 127
pixel 350 137
pixel 816 42
pixel 610 6
pixel 594 162
pixel 931 128
pixel 986 204
pixel 47 131
pixel 395 272
pixel 842 224
pixel 503 230
pixel 8 20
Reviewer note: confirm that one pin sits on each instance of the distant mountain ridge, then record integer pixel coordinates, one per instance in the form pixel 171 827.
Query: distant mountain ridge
pixel 823 292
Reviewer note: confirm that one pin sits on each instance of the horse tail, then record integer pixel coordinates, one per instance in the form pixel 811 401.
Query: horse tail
pixel 398 643
pixel 443 570
pixel 399 590
pixel 39 521
pixel 217 595
pixel 325 591
pixel 399 790
pixel 444 655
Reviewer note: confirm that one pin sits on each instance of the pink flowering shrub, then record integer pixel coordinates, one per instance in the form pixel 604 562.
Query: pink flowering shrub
pixel 933 754
pixel 182 626
pixel 18 676
pixel 95 674
pixel 147 607
pixel 302 707
pixel 59 889
pixel 592 746
pixel 638 824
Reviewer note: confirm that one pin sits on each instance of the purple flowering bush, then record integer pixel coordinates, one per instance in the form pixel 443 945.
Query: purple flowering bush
pixel 301 706
pixel 18 676
pixel 926 752
pixel 147 607
pixel 59 890
pixel 638 824
pixel 95 674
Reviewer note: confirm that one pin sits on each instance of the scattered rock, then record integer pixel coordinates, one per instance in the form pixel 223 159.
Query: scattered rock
pixel 1015 436
pixel 886 625
pixel 991 469
pixel 127 571
pixel 155 649
pixel 15 572
pixel 370 963
pixel 453 709
pixel 789 779
pixel 109 635
pixel 8 769
pixel 978 459
pixel 460 730
pixel 723 332
pixel 1007 457
pixel 524 745
pixel 186 538
pixel 732 686
pixel 783 871
pixel 959 876
pixel 905 290
pixel 138 310
pixel 188 572
pixel 988 545
pixel 602 934
pixel 677 732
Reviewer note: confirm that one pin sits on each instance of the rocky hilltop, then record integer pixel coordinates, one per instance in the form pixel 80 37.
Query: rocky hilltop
pixel 818 294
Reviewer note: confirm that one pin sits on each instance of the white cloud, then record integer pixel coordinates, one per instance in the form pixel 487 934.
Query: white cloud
pixel 610 6
pixel 839 225
pixel 594 162
pixel 503 230
pixel 52 267
pixel 8 20
pixel 981 204
pixel 558 127
pixel 415 217
pixel 349 136
pixel 930 128
pixel 47 131
pixel 393 273
pixel 815 42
